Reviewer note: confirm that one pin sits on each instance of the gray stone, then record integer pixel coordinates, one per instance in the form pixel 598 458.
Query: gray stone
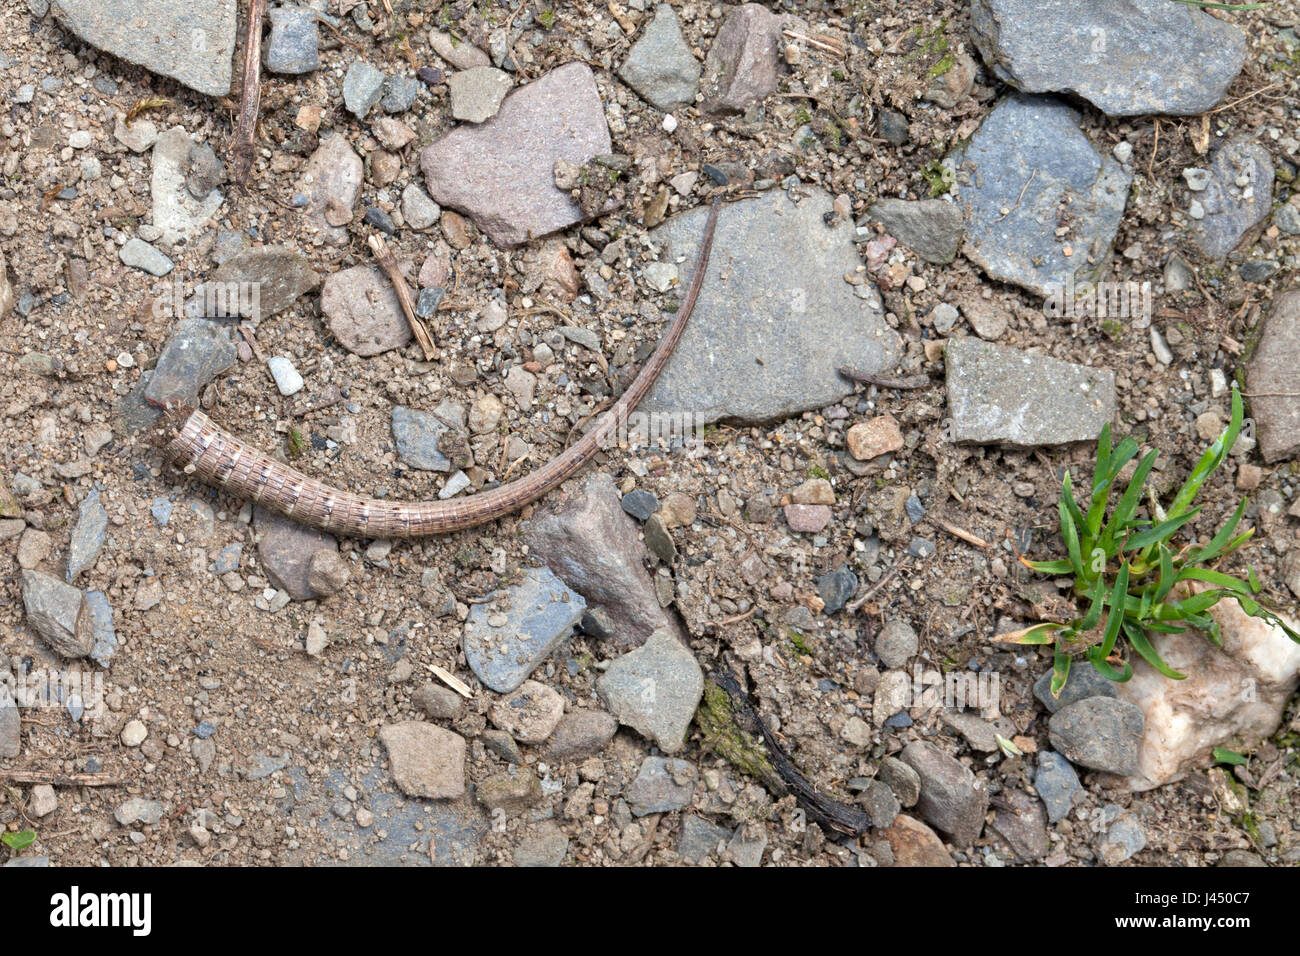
pixel 1286 217
pixel 139 810
pixel 363 85
pixel 1099 733
pixel 788 318
pixel 581 734
pixel 1084 681
pixel 510 635
pixel 979 733
pixel 263 280
pixel 363 311
pixel 1232 212
pixel 1056 783
pixel 419 435
pixel 1126 57
pixel 399 93
pixel 87 535
pixel 138 254
pixel 1001 395
pixel 191 41
pixel 1019 819
pixel 743 65
pixel 293 46
pixel 425 760
pixel 747 845
pixel 285 550
pixel 950 798
pixel 662 785
pixel 640 504
pixel 477 94
pixel 196 352
pixel 58 613
pixel 419 211
pixel 900 778
pixel 458 52
pixel 585 537
pixel 502 173
pixel 701 839
pixel 503 745
pixel 288 380
pixel 836 588
pixel 205 171
pixel 1121 841
pixel 654 690
pixel 332 182
pixel 896 644
pixel 880 802
pixel 1231 858
pixel 11 725
pixel 529 714
pixel 1027 161
pixel 544 845
pixel 932 228
pixel 660 65
pixel 176 212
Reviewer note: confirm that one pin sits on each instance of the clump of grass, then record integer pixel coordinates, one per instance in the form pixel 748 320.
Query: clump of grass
pixel 1128 568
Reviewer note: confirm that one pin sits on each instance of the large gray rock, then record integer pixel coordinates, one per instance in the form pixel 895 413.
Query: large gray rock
pixel 264 280
pixel 196 352
pixel 1027 162
pixel 87 535
pixel 1001 395
pixel 59 614
pixel 775 319
pixel 1099 733
pixel 502 172
pixel 192 41
pixel 932 228
pixel 660 66
pixel 175 210
pixel 293 46
pixel 662 785
pixel 516 629
pixel 951 799
pixel 476 94
pixel 1233 212
pixel 586 538
pixel 654 690
pixel 1126 57
pixel 1273 378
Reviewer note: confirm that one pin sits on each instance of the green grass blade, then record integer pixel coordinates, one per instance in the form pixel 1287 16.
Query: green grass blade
pixel 1221 540
pixel 1161 532
pixel 1106 669
pixel 1217 578
pixel 1138 639
pixel 1166 579
pixel 1062 566
pixel 1060 671
pixel 1098 595
pixel 1116 618
pixel 1070 534
pixel 1210 460
pixel 1128 502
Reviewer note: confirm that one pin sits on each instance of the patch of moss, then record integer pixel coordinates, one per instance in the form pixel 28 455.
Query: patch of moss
pixel 724 737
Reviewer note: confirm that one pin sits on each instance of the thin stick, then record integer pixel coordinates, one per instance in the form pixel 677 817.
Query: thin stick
pixel 885 381
pixel 389 265
pixel 962 533
pixel 853 606
pixel 243 147
pixel 61 779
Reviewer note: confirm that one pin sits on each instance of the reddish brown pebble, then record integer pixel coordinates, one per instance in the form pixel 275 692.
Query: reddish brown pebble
pixel 807 519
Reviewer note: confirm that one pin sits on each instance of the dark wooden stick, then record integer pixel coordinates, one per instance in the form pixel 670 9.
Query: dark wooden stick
pixel 243 147
pixel 386 262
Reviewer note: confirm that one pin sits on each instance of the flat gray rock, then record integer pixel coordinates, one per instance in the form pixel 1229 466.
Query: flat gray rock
pixel 138 254
pixel 363 85
pixel 476 94
pixel 1099 733
pixel 87 535
pixel 285 549
pixel 502 173
pixel 775 319
pixel 1273 378
pixel 1001 395
pixel 425 760
pixel 510 635
pixel 1126 57
pixel 195 353
pixel 331 183
pixel 293 46
pixel 265 280
pixel 701 839
pixel 662 785
pixel 660 65
pixel 104 636
pixel 58 613
pixel 932 228
pixel 1237 198
pixel 1026 162
pixel 418 434
pixel 363 311
pixel 191 41
pixel 1056 783
pixel 655 690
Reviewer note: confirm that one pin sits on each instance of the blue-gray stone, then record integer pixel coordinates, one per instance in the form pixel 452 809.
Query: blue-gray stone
pixel 510 635
pixel 1100 733
pixel 836 588
pixel 261 765
pixel 140 255
pixel 161 509
pixel 205 729
pixel 103 636
pixel 400 93
pixel 1056 783
pixel 428 301
pixel 660 65
pixel 1124 839
pixel 1233 212
pixel 640 504
pixel 418 434
pixel 1028 160
pixel 28 861
pixel 920 548
pixel 294 41
pixel 196 353
pixel 1084 681
pixel 701 839
pixel 227 559
pixel 87 535
pixel 362 87
pixel 380 220
pixel 915 510
pixel 662 785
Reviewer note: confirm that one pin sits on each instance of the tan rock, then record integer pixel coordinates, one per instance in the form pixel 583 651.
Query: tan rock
pixel 874 437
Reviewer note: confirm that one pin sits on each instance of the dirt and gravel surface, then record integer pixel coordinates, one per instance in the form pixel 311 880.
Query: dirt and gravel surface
pixel 260 752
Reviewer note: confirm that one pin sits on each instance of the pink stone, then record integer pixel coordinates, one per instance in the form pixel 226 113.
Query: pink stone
pixel 807 519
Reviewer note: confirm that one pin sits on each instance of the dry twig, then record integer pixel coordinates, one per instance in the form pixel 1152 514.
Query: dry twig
pixel 243 147
pixel 386 262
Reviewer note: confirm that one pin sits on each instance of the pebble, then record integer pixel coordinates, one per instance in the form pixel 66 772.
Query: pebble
pixel 286 551
pixel 425 760
pixel 676 685
pixel 529 714
pixel 293 46
pixel 138 254
pixel 139 810
pixel 700 839
pixel 399 93
pixel 950 798
pixel 543 845
pixel 581 734
pixel 87 535
pixel 837 588
pixel 875 437
pixel 363 85
pixel 134 733
pixel 477 94
pixel 807 519
pixel 896 644
pixel 640 504
pixel 743 65
pixel 287 378
pixel 1100 733
pixel 419 435
pixel 438 702
pixel 363 311
pixel 57 611
pixel 419 211
pixel 932 228
pixel 660 65
pixel 662 785
pixel 1056 783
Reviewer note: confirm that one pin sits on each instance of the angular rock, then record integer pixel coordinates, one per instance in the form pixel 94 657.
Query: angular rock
pixel 660 65
pixel 139 810
pixel 509 636
pixel 1084 681
pixel 286 549
pixel 196 352
pixel 1234 697
pixel 543 845
pixel 331 182
pixel 581 734
pixel 399 93
pixel 1056 783
pixel 191 41
pixel 87 535
pixel 1126 57
pixel 932 228
pixel 701 839
pixel 264 280
pixel 1121 841
pixel 896 644
pixel 915 844
pixel 836 588
pixel 584 536
pixel 789 319
pixel 438 702
pixel 655 690
pixel 456 51
pixel 950 797
pixel 419 211
pixel 529 714
pixel 743 65
pixel 58 612
pixel 7 296
pixel 175 210
pixel 662 785
pixel 1273 378
pixel 1000 395
pixel 363 311
pixel 900 778
pixel 1027 161
pixel 1234 213
pixel 1099 733
pixel 11 725
pixel 502 172
pixel 104 644
pixel 476 94
pixel 1020 821
pixel 363 85
pixel 425 760
pixel 293 46
pixel 873 438
pixel 511 792
pixel 419 436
